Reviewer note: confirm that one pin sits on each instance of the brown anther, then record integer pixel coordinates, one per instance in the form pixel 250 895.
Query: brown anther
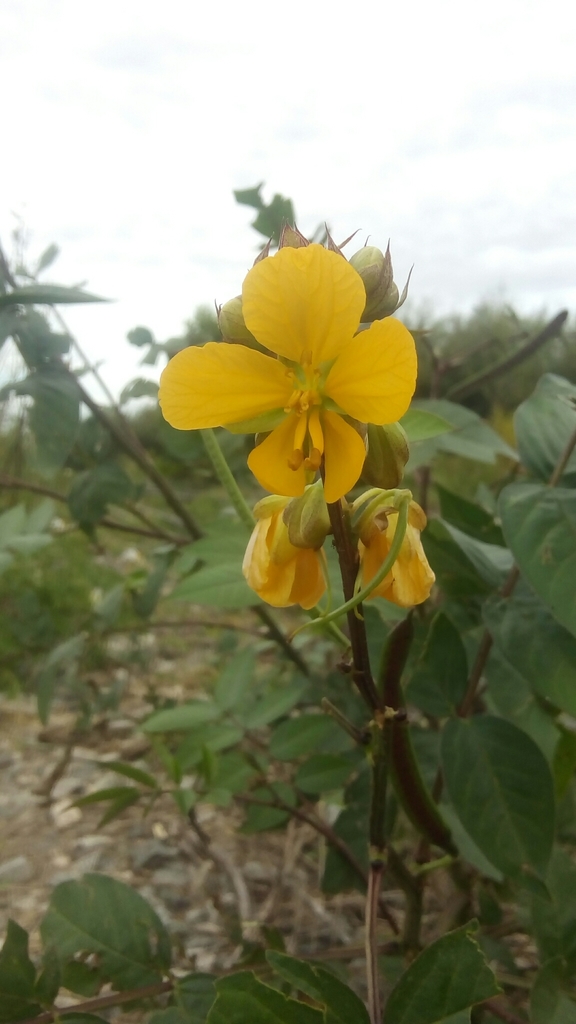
pixel 296 459
pixel 314 459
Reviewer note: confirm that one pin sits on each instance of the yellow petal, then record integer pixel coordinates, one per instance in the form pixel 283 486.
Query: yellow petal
pixel 304 304
pixel 269 460
pixel 309 581
pixel 277 590
pixel 344 454
pixel 410 580
pixel 374 378
pixel 216 384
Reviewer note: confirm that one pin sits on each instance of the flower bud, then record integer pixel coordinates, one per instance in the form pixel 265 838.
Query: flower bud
pixel 388 453
pixel 410 580
pixel 278 571
pixel 307 518
pixel 231 323
pixel 292 237
pixel 375 269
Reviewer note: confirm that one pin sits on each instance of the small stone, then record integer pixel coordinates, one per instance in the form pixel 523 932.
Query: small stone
pixel 91 842
pixel 151 853
pixel 254 871
pixel 177 876
pixel 63 815
pixel 66 787
pixel 89 862
pixel 16 871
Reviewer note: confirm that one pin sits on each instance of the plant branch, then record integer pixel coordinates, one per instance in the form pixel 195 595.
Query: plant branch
pixel 510 362
pixel 11 483
pixel 372 972
pixel 102 1002
pixel 348 558
pixel 278 636
pixel 330 835
pixel 498 1010
pixel 128 440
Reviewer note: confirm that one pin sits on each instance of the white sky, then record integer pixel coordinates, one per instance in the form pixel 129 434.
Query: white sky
pixel 449 127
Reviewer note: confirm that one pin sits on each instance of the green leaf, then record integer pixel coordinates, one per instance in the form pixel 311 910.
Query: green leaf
pixel 535 648
pixel 306 733
pixel 470 437
pixel 54 417
pixel 139 388
pixel 195 995
pixel 186 716
pixel 502 790
pixel 491 561
pixel 543 425
pixel 110 793
pixel 421 425
pixel 17 976
pixel 103 916
pixel 274 705
pixel 49 294
pixel 469 517
pixel 233 772
pixel 322 773
pixel 49 980
pixel 145 599
pixel 241 998
pixel 234 682
pixel 40 517
pixel 456 572
pixel 343 1004
pixel 564 764
pixel 95 489
pixel 220 586
pixel 47 258
pixel 466 845
pixel 449 976
pixel 554 919
pixel 510 695
pixel 108 609
pixel 260 818
pixel 141 336
pixel 539 524
pixel 131 772
pixel 549 999
pixel 250 196
pixel 212 737
pixel 351 825
pixel 440 676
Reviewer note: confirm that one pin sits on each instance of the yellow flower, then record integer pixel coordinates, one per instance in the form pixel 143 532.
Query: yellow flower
pixel 280 573
pixel 410 580
pixel 303 305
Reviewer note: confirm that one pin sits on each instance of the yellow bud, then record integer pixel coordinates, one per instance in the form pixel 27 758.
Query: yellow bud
pixel 410 580
pixel 307 518
pixel 388 453
pixel 231 323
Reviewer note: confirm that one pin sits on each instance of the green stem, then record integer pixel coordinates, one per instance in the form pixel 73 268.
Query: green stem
pixel 226 478
pixel 385 568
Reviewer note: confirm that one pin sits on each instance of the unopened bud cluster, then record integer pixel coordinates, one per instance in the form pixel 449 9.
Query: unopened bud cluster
pixel 382 295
